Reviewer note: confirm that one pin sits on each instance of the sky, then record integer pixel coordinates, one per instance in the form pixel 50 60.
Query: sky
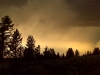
pixel 58 24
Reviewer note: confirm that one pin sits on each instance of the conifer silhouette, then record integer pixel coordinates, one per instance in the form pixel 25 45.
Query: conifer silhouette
pixel 30 49
pixel 6 28
pixel 16 43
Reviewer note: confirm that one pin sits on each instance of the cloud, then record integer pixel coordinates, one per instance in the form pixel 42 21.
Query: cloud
pixel 10 3
pixel 59 13
pixel 87 11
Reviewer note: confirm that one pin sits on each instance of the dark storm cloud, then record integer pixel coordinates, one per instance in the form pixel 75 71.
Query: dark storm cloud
pixel 60 13
pixel 88 11
pixel 10 3
pixel 63 13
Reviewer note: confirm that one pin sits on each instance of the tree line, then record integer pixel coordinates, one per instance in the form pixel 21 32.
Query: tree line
pixel 11 45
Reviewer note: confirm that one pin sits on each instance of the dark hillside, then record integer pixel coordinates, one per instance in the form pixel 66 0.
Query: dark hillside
pixel 84 65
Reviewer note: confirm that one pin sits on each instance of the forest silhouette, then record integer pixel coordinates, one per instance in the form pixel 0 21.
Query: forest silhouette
pixel 17 59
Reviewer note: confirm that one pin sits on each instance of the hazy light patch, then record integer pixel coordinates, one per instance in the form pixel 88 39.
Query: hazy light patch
pixel 98 44
pixel 81 38
pixel 62 47
pixel 81 46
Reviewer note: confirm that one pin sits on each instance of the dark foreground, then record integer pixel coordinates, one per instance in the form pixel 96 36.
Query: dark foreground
pixel 84 65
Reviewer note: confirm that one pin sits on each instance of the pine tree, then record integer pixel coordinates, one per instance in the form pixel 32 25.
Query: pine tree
pixel 30 50
pixel 6 28
pixel 70 53
pixel 76 53
pixel 96 51
pixel 45 53
pixel 49 53
pixel 20 51
pixel 63 55
pixel 52 53
pixel 37 52
pixel 30 42
pixel 16 43
pixel 88 53
pixel 58 56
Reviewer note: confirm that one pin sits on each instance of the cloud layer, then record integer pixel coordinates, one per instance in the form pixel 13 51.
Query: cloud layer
pixel 10 3
pixel 87 11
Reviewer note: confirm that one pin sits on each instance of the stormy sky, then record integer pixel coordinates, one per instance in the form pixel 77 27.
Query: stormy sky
pixel 58 24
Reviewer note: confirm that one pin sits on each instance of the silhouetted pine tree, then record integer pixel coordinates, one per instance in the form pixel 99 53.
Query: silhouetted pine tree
pixel 63 56
pixel 96 51
pixel 70 53
pixel 29 51
pixel 88 53
pixel 58 56
pixel 15 46
pixel 52 53
pixel 20 51
pixel 6 28
pixel 46 53
pixel 37 52
pixel 49 53
pixel 76 53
